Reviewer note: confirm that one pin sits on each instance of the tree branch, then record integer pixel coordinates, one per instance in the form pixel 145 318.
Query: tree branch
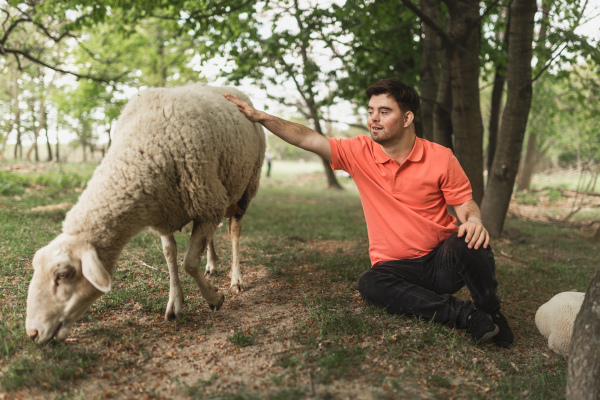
pixel 55 68
pixel 49 34
pixel 548 64
pixel 446 40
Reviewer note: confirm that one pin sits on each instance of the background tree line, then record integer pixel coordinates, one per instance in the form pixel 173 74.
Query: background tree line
pixel 505 83
pixel 480 67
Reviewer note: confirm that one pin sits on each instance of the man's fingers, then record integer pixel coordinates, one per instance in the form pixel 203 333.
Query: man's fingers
pixel 480 240
pixel 469 237
pixel 234 99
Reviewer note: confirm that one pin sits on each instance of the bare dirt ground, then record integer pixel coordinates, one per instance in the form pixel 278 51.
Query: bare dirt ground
pixel 142 356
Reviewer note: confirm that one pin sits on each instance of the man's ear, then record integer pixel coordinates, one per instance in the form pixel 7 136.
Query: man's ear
pixel 94 271
pixel 409 117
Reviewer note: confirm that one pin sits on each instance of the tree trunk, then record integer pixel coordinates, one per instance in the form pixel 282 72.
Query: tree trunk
pixel 532 154
pixel 495 113
pixel 18 145
pixel 36 133
pixel 465 31
pixel 527 166
pixel 583 375
pixel 514 119
pixel 17 119
pixel 57 142
pixel 496 106
pixel 442 120
pixel 430 66
pixel 332 182
pixel 48 139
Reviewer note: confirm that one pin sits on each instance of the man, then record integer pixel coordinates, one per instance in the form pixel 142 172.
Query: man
pixel 419 256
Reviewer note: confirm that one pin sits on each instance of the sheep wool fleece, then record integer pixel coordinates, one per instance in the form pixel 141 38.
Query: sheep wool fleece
pixel 555 319
pixel 178 155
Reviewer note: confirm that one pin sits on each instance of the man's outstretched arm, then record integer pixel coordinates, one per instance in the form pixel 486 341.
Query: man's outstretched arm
pixel 296 134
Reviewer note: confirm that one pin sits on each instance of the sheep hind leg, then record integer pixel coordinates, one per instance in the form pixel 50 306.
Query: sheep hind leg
pixel 211 258
pixel 235 229
pixel 192 264
pixel 175 304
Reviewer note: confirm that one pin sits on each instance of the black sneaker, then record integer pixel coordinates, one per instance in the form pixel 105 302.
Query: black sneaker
pixel 505 337
pixel 481 326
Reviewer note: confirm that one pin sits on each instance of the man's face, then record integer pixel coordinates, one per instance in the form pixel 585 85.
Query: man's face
pixel 386 120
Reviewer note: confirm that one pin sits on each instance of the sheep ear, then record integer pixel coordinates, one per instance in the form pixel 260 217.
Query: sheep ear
pixel 40 257
pixel 94 271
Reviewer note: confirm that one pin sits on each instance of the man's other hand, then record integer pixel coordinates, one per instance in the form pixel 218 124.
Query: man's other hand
pixel 475 233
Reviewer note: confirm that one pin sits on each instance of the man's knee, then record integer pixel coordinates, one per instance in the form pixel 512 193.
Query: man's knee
pixel 460 246
pixel 366 284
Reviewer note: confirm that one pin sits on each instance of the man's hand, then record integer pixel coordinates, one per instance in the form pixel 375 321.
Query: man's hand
pixel 475 233
pixel 291 132
pixel 471 226
pixel 250 112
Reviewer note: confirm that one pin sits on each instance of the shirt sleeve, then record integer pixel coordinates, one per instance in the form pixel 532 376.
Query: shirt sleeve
pixel 342 156
pixel 455 185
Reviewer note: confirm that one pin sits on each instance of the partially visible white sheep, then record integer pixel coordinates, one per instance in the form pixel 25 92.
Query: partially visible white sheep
pixel 555 320
pixel 178 155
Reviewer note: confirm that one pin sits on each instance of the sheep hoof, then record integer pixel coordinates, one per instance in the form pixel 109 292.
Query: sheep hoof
pixel 171 315
pixel 216 305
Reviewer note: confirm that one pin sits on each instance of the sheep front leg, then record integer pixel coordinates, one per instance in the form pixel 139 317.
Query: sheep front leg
pixel 175 305
pixel 211 258
pixel 192 265
pixel 236 274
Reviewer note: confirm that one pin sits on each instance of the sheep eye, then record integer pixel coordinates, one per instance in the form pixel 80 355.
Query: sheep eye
pixel 61 276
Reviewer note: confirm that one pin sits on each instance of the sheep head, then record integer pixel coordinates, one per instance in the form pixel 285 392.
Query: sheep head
pixel 68 277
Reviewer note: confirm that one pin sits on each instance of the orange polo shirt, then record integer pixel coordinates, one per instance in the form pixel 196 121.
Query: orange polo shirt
pixel 404 205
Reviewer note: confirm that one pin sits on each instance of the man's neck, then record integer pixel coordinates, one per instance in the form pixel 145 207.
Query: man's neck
pixel 399 150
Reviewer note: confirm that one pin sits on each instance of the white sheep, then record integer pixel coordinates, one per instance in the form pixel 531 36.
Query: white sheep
pixel 555 318
pixel 178 155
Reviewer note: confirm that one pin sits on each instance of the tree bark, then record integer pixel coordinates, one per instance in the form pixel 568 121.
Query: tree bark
pixel 465 31
pixel 583 375
pixel 495 113
pixel 514 119
pixel 430 66
pixel 533 154
pixel 442 119
pixel 496 106
pixel 528 164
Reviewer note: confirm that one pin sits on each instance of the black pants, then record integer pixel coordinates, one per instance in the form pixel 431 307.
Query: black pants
pixel 424 286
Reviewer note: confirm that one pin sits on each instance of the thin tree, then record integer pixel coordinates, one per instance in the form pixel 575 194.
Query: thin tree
pixel 514 119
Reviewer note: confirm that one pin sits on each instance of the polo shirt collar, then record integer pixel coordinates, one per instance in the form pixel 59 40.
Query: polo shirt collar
pixel 416 154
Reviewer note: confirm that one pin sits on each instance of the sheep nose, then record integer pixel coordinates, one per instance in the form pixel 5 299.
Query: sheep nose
pixel 32 333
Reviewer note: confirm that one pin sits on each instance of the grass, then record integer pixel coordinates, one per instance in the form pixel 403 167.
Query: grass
pixel 326 343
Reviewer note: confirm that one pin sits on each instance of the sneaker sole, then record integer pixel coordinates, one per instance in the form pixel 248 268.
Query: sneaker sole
pixel 489 335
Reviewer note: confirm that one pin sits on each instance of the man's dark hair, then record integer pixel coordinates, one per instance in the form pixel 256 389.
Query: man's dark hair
pixel 405 95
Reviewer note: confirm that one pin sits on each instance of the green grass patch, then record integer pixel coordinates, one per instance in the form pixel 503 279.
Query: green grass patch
pixel 49 368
